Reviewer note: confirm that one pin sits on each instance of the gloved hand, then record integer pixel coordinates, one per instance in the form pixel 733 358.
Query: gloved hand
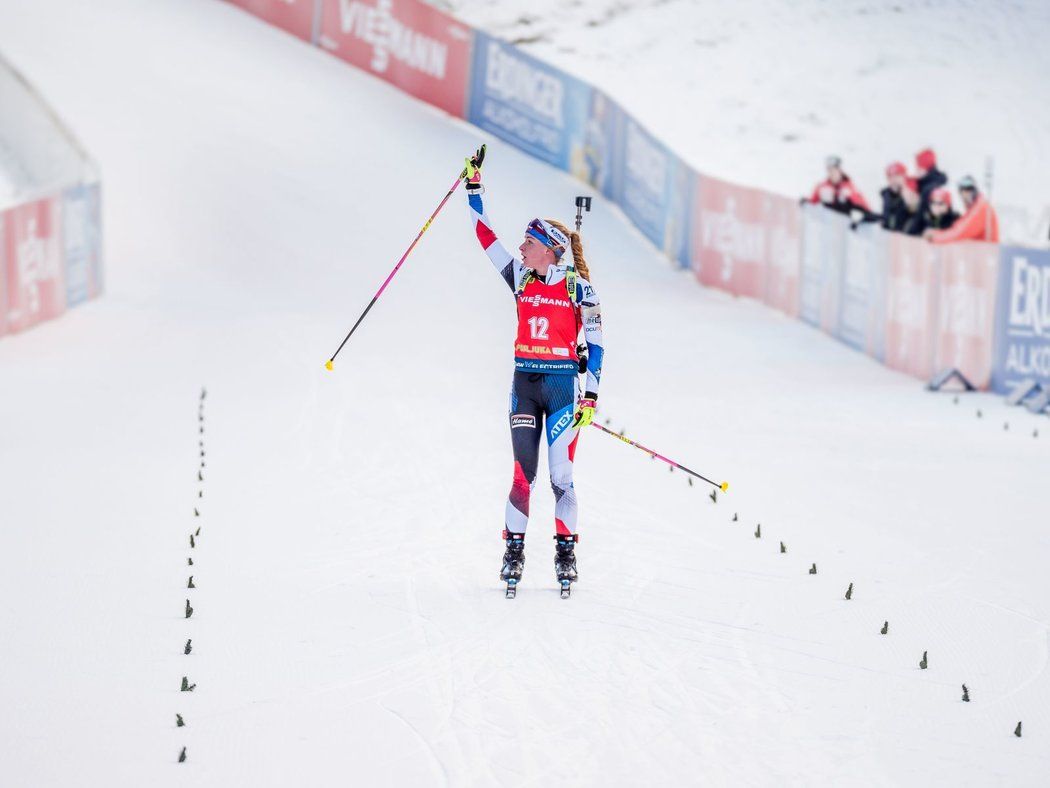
pixel 584 413
pixel 472 171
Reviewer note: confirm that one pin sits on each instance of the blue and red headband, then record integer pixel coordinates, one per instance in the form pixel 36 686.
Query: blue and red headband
pixel 548 235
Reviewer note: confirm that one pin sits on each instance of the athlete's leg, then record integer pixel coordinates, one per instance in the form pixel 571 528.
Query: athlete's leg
pixel 526 424
pixel 560 402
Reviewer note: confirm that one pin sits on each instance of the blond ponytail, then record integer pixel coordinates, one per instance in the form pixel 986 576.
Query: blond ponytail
pixel 577 249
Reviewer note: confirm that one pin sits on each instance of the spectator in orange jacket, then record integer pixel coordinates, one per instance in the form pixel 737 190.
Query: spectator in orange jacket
pixel 978 223
pixel 837 192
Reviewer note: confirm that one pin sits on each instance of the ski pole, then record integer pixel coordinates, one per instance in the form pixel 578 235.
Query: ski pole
pixel 724 486
pixel 382 287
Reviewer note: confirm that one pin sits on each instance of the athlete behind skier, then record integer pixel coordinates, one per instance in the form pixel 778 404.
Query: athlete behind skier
pixel 555 300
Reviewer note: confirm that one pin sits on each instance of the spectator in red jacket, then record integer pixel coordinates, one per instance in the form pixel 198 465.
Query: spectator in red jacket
pixel 928 177
pixel 837 192
pixel 979 223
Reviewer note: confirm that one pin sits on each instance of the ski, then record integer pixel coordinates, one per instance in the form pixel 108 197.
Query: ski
pixel 512 589
pixel 566 589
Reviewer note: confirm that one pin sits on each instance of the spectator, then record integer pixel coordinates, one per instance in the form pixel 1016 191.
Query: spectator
pixel 837 192
pixel 939 216
pixel 979 223
pixel 900 199
pixel 928 177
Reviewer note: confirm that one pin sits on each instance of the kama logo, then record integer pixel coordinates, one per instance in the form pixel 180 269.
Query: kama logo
pixel 390 37
pixel 1029 299
pixel 645 160
pixel 522 420
pixel 516 81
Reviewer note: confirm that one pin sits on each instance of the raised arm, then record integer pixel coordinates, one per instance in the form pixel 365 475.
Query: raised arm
pixel 509 267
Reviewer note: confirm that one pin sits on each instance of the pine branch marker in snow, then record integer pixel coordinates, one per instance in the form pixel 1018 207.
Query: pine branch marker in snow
pixel 189 609
pixel 196 513
pixel 188 647
pixel 1006 425
pixel 849 591
pixel 1017 730
pixel 186 686
pixel 178 721
pixel 966 694
pixel 200 493
pixel 714 496
pixel 204 393
pixel 758 531
pixel 690 480
pixel 782 548
pixel 923 664
pixel 198 532
pixel 734 517
pixel 192 542
pixel 189 583
pixel 813 569
pixel 182 755
pixel 200 476
pixel 189 562
pixel 978 413
pixel 885 627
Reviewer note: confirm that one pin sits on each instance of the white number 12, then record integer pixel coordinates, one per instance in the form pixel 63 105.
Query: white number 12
pixel 539 326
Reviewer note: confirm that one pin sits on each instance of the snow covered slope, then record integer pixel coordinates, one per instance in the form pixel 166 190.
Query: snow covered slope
pixel 348 626
pixel 760 92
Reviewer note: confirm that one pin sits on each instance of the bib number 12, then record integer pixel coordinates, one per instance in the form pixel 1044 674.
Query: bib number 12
pixel 538 326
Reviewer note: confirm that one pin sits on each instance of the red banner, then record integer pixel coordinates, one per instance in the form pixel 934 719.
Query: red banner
pixel 911 314
pixel 728 248
pixel 783 229
pixel 293 16
pixel 966 309
pixel 421 50
pixel 35 287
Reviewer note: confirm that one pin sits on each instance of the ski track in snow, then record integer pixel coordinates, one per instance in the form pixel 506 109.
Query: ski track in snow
pixel 349 625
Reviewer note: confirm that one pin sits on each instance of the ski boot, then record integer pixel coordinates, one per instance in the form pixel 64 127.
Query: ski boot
pixel 513 562
pixel 565 562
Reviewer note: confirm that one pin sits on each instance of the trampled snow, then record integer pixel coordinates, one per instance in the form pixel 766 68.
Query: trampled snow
pixel 349 627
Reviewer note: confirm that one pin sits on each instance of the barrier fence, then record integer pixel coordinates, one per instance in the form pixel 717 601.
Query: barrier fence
pixel 917 308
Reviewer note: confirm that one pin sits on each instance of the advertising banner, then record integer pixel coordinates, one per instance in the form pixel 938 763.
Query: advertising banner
pixel 1022 318
pixel 911 303
pixel 408 43
pixel 652 187
pixel 783 241
pixel 823 254
pixel 528 103
pixel 293 16
pixel 862 294
pixel 35 289
pixel 81 243
pixel 729 238
pixel 966 299
pixel 592 160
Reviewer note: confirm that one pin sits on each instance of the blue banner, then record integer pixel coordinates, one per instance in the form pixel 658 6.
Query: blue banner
pixel 531 105
pixel 823 252
pixel 862 295
pixel 1022 318
pixel 652 187
pixel 81 242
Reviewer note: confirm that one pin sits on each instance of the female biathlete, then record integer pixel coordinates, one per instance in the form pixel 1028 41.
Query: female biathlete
pixel 554 302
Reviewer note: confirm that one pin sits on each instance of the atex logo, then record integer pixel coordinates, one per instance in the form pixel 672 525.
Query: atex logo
pixel 515 80
pixel 389 37
pixel 1029 299
pixel 559 426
